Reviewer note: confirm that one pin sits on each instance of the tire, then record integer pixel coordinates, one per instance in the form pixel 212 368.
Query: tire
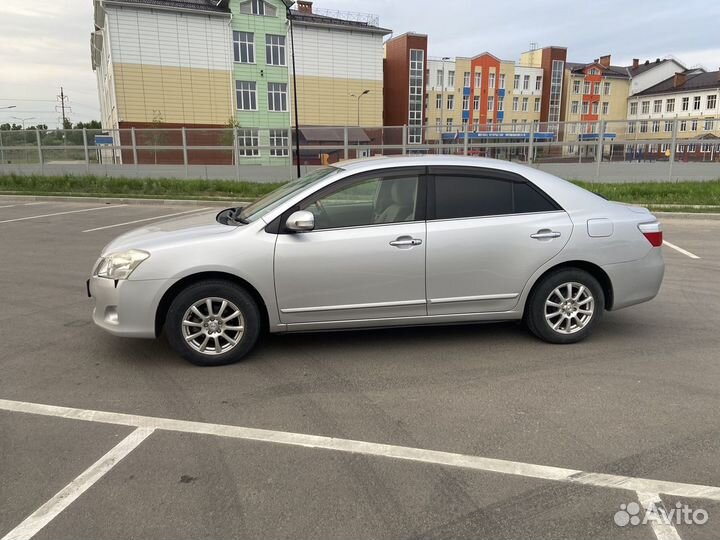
pixel 211 337
pixel 583 307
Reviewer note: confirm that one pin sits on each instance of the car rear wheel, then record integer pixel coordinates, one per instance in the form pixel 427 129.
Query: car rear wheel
pixel 213 323
pixel 565 306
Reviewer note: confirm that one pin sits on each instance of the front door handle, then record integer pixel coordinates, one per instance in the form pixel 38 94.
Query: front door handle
pixel 545 234
pixel 405 241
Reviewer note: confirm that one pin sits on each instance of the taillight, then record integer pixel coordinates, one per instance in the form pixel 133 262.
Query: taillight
pixel 653 232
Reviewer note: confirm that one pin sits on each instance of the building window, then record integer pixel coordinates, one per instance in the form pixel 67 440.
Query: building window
pixel 633 108
pixel 275 50
pixel 491 80
pixel 596 88
pixel 657 106
pixel 438 124
pixel 670 105
pixel 656 127
pixel 244 47
pixel 576 87
pixel 417 93
pixel 585 107
pixel 538 82
pixel 537 105
pixel 691 147
pixel 277 97
pixel 645 107
pixel 696 103
pixel 247 140
pixel 491 103
pixel 476 124
pixel 595 108
pixel 668 126
pixel 450 102
pixel 502 81
pixel 478 79
pixel 685 103
pixel 449 124
pixel 516 82
pixel 556 83
pixel 631 127
pixel 709 124
pixel 574 107
pixel 466 103
pixel 476 103
pixel 516 104
pixel 683 125
pixel 438 101
pixel 451 79
pixel 246 94
pixel 466 79
pixel 258 7
pixel 643 126
pixel 586 87
pixel 664 147
pixel 439 77
pixel 501 104
pixel 279 142
pixel 525 104
pixel 606 88
pixel 680 148
pixel 711 102
pixel 526 82
pixel 606 107
pixel 693 125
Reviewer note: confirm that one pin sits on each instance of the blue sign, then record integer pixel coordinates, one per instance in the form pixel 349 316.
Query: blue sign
pixel 103 140
pixel 525 136
pixel 595 136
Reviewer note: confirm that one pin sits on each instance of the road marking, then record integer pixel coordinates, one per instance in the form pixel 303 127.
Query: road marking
pixel 148 219
pixel 663 531
pixel 9 205
pixel 65 497
pixel 679 249
pixel 435 457
pixel 63 213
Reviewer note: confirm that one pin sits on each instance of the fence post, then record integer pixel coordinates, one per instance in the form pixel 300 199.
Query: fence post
pixel 465 139
pixel 673 144
pixel 134 149
pixel 599 150
pixel 40 154
pixel 531 144
pixel 404 140
pixel 87 153
pixel 185 151
pixel 2 152
pixel 346 149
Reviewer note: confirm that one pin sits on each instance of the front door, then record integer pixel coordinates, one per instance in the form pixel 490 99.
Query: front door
pixel 365 259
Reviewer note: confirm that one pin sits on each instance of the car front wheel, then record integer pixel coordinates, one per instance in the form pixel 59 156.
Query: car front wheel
pixel 213 323
pixel 565 306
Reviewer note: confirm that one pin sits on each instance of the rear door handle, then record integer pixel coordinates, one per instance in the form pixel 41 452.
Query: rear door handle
pixel 544 234
pixel 405 241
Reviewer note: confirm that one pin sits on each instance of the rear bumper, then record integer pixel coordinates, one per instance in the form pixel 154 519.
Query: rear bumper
pixel 637 281
pixel 126 308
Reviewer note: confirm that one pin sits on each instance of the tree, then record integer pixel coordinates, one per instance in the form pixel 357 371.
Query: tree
pixel 158 136
pixel 228 135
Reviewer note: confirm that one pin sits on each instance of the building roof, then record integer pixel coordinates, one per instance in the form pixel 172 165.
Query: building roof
pixel 325 20
pixel 619 72
pixel 648 65
pixel 218 6
pixel 694 81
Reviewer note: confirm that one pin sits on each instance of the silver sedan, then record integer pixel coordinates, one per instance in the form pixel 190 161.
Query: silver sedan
pixel 382 242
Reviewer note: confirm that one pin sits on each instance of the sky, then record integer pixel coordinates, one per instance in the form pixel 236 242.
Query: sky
pixel 45 44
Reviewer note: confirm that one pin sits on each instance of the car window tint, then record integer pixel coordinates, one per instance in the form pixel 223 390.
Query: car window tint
pixel 471 196
pixel 368 202
pixel 527 199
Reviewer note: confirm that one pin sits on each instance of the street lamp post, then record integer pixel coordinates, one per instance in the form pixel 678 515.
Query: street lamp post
pixel 23 120
pixel 358 96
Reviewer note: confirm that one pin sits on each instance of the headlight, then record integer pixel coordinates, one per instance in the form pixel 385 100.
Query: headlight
pixel 120 265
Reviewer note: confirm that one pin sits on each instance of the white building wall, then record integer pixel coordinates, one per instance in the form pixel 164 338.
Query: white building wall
pixel 533 72
pixel 703 112
pixel 434 65
pixel 655 75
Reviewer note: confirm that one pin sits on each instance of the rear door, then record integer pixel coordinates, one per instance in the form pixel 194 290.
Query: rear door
pixel 487 232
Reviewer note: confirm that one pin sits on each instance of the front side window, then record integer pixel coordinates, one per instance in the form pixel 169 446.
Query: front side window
pixel 476 195
pixel 246 95
pixel 372 201
pixel 277 97
pixel 275 50
pixel 244 47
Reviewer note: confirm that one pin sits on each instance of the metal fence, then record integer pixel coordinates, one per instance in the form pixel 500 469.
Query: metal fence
pixel 593 150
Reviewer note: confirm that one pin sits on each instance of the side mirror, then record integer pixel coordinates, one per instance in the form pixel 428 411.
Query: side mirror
pixel 301 221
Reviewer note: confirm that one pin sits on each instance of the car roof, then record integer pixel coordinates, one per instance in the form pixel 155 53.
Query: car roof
pixel 383 162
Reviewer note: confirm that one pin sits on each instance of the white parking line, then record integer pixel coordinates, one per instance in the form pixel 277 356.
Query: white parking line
pixel 680 250
pixel 516 468
pixel 663 531
pixel 63 213
pixel 65 497
pixel 148 219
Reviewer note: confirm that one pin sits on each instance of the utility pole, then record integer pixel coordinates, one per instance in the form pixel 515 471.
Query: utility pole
pixel 63 98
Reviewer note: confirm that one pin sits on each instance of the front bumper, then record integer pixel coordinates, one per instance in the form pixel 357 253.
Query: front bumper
pixel 637 281
pixel 125 307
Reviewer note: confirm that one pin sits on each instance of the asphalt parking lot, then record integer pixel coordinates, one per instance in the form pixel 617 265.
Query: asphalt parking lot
pixel 449 432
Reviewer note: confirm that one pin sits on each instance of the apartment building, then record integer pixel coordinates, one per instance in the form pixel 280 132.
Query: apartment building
pixel 164 65
pixel 687 103
pixel 551 60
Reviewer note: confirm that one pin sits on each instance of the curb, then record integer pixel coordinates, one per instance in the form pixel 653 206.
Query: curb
pixel 686 215
pixel 123 200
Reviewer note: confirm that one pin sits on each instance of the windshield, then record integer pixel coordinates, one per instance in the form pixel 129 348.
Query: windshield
pixel 275 198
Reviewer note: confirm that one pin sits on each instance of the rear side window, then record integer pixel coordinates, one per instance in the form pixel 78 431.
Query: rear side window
pixel 460 196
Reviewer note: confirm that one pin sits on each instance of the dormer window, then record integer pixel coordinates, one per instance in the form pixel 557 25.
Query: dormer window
pixel 261 8
pixel 258 7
